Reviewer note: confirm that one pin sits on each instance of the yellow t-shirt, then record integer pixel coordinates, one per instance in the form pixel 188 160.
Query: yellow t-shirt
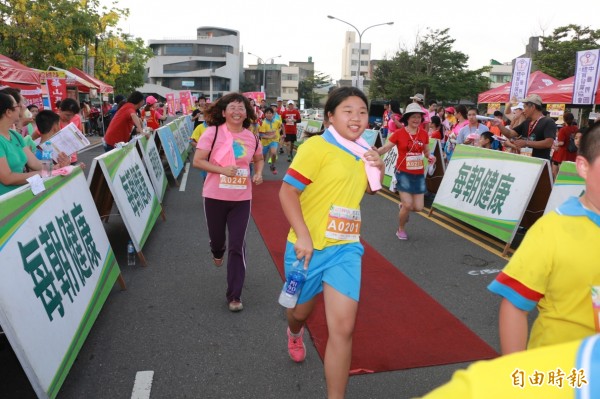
pixel 273 126
pixel 198 131
pixel 554 269
pixel 551 372
pixel 329 178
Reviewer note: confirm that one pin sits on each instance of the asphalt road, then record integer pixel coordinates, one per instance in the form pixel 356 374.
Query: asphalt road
pixel 173 318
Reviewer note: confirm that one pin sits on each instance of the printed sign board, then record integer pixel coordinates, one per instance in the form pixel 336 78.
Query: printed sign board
pixel 133 193
pixel 57 271
pixel 171 150
pixel 153 164
pixel 568 183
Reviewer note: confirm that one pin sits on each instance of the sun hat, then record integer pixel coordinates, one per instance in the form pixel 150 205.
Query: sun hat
pixel 419 97
pixel 450 110
pixel 533 99
pixel 518 106
pixel 150 100
pixel 411 108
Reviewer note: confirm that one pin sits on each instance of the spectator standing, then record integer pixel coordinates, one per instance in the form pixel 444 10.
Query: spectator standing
pixel 556 268
pixel 30 127
pixel 470 133
pixel 123 122
pixel 225 151
pixel 394 117
pixel 535 136
pixel 150 114
pixel 561 151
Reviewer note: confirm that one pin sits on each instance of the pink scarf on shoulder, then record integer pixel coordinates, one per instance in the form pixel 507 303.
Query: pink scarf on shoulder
pixel 359 148
pixel 223 153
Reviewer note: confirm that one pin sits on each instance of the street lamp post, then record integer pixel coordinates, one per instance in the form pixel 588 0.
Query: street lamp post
pixel 358 83
pixel 263 87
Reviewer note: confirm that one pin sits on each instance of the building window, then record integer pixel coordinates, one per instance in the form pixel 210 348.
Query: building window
pixel 289 76
pixel 179 49
pixel 364 51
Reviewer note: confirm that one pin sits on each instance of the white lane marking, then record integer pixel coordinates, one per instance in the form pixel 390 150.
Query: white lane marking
pixel 185 177
pixel 142 385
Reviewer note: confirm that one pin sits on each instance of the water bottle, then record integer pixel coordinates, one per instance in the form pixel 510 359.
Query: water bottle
pixel 293 285
pixel 46 160
pixel 130 254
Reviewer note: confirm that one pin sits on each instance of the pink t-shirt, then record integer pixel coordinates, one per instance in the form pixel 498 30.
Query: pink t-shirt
pixel 245 146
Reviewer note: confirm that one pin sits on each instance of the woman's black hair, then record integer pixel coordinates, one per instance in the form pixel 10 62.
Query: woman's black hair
pixel 337 96
pixel 461 109
pixel 135 98
pixel 6 103
pixel 70 105
pixel 214 114
pixel 395 107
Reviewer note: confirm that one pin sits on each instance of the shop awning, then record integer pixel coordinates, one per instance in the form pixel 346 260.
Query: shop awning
pixel 73 80
pixel 500 94
pixel 13 72
pixel 103 88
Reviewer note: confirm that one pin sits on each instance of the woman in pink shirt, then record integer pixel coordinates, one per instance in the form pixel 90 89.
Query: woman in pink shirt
pixel 225 151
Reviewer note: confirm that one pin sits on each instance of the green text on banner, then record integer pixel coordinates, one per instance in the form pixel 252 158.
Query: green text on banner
pixel 491 190
pixel 57 270
pixel 131 188
pixel 154 165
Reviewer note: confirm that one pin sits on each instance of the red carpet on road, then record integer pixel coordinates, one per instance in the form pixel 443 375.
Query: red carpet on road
pixel 399 326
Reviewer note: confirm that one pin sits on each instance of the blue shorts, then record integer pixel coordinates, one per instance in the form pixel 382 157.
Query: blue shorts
pixel 409 183
pixel 273 144
pixel 338 265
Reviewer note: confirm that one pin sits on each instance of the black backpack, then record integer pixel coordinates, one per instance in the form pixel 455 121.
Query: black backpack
pixel 571 147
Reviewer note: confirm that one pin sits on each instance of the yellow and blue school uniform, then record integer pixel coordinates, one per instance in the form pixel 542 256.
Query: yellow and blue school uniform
pixel 267 126
pixel 332 181
pixel 554 269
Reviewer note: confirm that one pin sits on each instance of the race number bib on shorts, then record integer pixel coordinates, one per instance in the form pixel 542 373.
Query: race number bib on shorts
pixel 414 161
pixel 237 182
pixel 343 224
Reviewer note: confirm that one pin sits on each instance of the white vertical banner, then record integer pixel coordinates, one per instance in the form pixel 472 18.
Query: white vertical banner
pixel 586 76
pixel 520 78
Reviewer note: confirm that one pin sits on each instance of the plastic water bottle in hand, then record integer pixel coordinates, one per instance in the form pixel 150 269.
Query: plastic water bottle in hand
pixel 293 285
pixel 46 160
pixel 130 254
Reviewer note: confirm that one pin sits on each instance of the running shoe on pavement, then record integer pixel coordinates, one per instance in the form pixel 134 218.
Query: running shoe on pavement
pixel 296 348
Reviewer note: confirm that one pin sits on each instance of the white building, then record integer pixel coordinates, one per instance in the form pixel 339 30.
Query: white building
pixel 290 80
pixel 211 64
pixel 350 58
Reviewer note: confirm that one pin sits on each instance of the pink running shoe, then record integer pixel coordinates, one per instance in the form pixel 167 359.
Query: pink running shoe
pixel 402 235
pixel 296 347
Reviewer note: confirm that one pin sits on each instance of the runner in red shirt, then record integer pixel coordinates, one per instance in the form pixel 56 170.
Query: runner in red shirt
pixel 290 117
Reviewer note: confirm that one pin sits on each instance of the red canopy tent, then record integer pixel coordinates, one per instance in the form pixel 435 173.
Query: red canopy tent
pixel 102 87
pixel 500 94
pixel 19 76
pixel 561 92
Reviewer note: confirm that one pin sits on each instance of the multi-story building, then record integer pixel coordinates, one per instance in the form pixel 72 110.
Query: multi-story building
pixel 350 58
pixel 267 75
pixel 210 64
pixel 290 80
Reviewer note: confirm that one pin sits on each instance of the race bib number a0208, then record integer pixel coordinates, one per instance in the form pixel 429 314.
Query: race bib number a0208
pixel 343 224
pixel 237 182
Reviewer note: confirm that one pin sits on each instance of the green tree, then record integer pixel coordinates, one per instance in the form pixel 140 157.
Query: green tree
pixel 306 89
pixel 63 33
pixel 557 57
pixel 433 68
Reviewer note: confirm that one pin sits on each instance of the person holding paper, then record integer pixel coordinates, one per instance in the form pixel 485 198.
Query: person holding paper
pixel 14 153
pixel 48 123
pixel 470 133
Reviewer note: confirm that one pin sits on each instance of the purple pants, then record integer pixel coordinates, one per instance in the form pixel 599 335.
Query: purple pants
pixel 232 216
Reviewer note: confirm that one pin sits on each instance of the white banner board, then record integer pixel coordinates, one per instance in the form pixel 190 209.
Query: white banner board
pixel 153 164
pixel 57 270
pixel 568 184
pixel 489 189
pixel 131 188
